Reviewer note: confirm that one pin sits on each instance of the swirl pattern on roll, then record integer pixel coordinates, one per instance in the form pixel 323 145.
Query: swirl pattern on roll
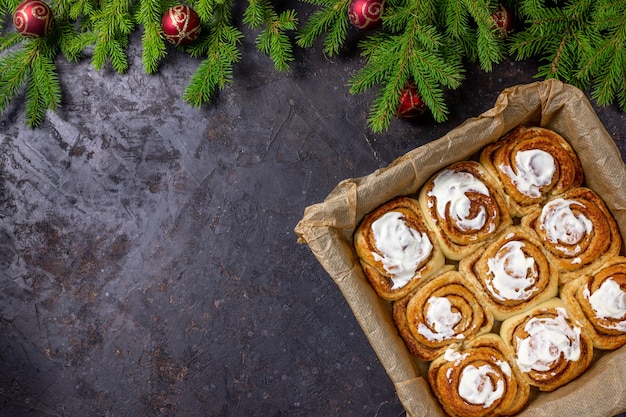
pixel 513 273
pixel 396 248
pixel 548 345
pixel 577 230
pixel 444 311
pixel 463 206
pixel 477 379
pixel 598 301
pixel 532 164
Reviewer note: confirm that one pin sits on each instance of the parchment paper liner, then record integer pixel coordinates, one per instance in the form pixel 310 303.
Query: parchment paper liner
pixel 327 228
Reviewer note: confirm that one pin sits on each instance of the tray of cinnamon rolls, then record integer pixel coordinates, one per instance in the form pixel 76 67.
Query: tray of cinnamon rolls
pixel 503 271
pixel 487 268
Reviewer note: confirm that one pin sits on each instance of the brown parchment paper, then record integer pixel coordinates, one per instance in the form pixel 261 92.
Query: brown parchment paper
pixel 327 228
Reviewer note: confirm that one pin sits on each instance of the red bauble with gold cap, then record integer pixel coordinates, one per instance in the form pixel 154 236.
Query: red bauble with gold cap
pixel 366 14
pixel 411 104
pixel 32 18
pixel 181 25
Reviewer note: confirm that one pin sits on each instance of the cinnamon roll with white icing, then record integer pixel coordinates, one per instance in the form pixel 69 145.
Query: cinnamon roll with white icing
pixel 397 249
pixel 477 379
pixel 548 345
pixel 444 311
pixel 598 301
pixel 513 273
pixel 577 230
pixel 531 165
pixel 464 207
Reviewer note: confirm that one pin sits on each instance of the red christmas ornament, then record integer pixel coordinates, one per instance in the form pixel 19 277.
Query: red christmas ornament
pixel 502 21
pixel 32 18
pixel 181 25
pixel 366 14
pixel 411 104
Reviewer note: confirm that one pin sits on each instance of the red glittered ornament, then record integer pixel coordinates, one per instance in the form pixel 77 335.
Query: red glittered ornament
pixel 181 25
pixel 411 104
pixel 32 18
pixel 502 21
pixel 366 14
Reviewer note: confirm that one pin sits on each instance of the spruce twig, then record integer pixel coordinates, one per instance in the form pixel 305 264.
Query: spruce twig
pixel 113 23
pixel 416 52
pixel 272 41
pixel 221 51
pixel 331 19
pixel 149 15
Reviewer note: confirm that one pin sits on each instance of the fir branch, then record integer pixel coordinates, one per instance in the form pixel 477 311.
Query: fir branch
pixel 607 60
pixel 10 40
pixel 205 9
pixel 68 38
pixel 113 23
pixel 331 18
pixel 454 18
pixel 43 91
pixel 14 70
pixel 272 41
pixel 6 8
pixel 414 53
pixel 220 48
pixel 490 50
pixel 149 16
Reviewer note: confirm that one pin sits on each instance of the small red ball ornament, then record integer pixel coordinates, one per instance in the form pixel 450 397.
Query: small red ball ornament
pixel 411 104
pixel 502 21
pixel 181 25
pixel 366 14
pixel 32 18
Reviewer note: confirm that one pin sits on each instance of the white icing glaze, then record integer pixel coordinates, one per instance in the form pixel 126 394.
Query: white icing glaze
pixel 506 368
pixel 512 274
pixel 440 317
pixel 402 248
pixel 450 188
pixel 476 387
pixel 452 355
pixel 609 302
pixel 549 340
pixel 562 225
pixel 534 169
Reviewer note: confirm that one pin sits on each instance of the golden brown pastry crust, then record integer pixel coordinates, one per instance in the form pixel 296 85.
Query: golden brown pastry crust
pixel 608 332
pixel 370 255
pixel 487 352
pixel 499 159
pixel 511 285
pixel 457 240
pixel 542 335
pixel 577 231
pixel 444 311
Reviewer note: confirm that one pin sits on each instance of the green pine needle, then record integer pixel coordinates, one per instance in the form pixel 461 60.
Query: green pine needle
pixel 272 41
pixel 332 19
pixel 221 50
pixel 582 42
pixel 149 15
pixel 14 70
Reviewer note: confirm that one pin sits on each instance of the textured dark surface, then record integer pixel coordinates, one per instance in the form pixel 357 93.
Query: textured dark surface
pixel 148 265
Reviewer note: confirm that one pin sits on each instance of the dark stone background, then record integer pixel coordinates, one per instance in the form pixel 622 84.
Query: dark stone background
pixel 148 264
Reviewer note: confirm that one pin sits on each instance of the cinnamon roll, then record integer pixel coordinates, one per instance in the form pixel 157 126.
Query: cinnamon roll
pixel 444 311
pixel 598 301
pixel 548 345
pixel 513 273
pixel 532 164
pixel 577 230
pixel 477 379
pixel 396 248
pixel 462 204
